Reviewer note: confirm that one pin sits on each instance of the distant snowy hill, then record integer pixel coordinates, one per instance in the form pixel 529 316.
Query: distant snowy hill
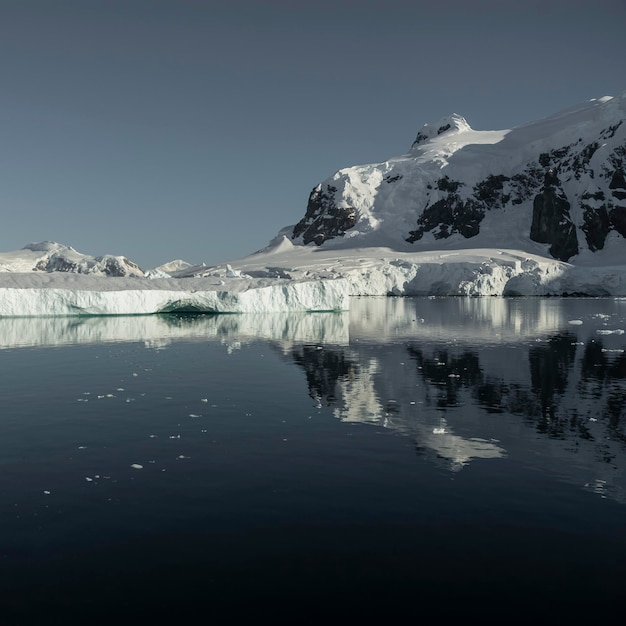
pixel 49 256
pixel 554 187
pixel 49 279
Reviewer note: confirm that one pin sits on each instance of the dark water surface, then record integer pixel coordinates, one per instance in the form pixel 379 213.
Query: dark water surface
pixel 415 459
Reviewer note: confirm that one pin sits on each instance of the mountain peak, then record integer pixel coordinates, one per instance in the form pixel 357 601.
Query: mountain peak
pixel 556 186
pixel 453 123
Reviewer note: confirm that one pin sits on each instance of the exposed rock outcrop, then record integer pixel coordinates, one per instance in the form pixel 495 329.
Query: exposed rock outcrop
pixel 552 222
pixel 324 219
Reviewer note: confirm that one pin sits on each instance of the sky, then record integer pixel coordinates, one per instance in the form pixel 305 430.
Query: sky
pixel 196 129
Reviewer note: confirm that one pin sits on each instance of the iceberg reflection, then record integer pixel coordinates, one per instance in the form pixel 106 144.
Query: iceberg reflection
pixel 541 381
pixel 159 330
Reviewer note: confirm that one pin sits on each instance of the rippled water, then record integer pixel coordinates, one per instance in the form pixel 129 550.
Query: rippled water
pixel 415 458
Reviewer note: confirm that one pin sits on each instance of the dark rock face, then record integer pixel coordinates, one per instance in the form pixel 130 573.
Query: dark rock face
pixel 451 214
pixel 618 184
pixel 617 213
pixel 551 219
pixel 596 224
pixel 448 216
pixel 324 219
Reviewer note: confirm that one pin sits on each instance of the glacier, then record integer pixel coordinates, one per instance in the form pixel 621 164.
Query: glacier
pixel 60 294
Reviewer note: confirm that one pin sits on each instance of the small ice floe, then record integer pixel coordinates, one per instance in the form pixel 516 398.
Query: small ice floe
pixel 137 466
pixel 153 436
pixel 593 419
pixel 82 447
pixel 182 456
pixel 617 331
pixel 194 415
pixel 46 492
pixel 174 436
pixel 439 431
pixel 120 389
pixel 614 350
pixel 232 273
pixel 575 322
pixel 204 399
pixel 88 479
pixel 454 376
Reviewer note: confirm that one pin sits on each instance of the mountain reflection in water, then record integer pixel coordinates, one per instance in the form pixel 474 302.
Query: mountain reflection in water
pixel 483 378
pixel 377 461
pixel 466 378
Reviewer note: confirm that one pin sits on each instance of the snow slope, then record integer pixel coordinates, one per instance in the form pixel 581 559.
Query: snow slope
pixel 535 210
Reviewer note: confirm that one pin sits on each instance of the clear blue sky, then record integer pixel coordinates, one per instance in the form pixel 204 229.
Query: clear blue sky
pixel 195 129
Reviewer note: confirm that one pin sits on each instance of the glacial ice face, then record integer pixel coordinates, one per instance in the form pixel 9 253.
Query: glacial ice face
pixel 83 295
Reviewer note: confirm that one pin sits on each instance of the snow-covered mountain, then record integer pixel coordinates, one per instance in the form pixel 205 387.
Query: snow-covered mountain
pixel 555 187
pixel 49 256
pixel 535 210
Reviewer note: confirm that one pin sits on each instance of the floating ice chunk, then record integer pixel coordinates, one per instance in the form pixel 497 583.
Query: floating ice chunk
pixel 194 415
pixel 61 294
pixel 575 322
pixel 617 331
pixel 231 273
pixel 46 492
pixel 439 431
pixel 137 466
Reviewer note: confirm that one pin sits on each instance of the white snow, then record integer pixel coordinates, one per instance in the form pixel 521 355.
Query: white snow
pixel 373 258
pixel 50 294
pixel 384 271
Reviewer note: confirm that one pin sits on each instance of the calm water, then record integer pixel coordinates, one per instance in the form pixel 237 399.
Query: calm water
pixel 415 458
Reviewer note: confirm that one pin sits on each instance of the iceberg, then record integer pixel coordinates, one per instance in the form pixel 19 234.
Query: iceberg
pixel 37 294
